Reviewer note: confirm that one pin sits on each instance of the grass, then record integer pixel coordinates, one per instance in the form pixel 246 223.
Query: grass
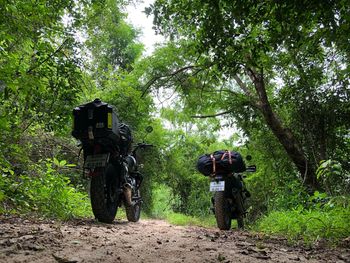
pixel 185 220
pixel 307 225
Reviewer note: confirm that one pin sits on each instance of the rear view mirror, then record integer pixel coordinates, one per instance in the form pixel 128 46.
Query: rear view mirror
pixel 149 129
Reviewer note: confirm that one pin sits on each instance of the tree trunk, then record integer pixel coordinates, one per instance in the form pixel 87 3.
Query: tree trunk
pixel 284 135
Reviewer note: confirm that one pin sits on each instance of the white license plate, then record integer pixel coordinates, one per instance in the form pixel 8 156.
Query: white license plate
pixel 97 160
pixel 217 186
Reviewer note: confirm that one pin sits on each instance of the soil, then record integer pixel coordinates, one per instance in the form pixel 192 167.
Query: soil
pixel 23 240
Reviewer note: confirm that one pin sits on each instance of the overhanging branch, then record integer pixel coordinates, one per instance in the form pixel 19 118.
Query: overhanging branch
pixel 212 115
pixel 172 74
pixel 243 86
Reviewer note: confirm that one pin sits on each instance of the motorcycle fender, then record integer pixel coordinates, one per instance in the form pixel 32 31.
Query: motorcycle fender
pixel 127 194
pixel 96 160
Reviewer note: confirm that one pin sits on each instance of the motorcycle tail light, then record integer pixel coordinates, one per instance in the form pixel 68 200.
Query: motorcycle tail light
pixel 97 148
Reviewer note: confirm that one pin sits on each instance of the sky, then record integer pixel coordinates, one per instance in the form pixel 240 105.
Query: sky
pixel 139 19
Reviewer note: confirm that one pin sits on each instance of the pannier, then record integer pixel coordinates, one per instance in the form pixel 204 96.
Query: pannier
pixel 95 119
pixel 220 162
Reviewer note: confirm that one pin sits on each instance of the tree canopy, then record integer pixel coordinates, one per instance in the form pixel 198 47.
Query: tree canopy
pixel 288 62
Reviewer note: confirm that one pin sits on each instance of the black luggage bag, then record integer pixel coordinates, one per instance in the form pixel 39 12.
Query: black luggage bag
pixel 95 119
pixel 222 161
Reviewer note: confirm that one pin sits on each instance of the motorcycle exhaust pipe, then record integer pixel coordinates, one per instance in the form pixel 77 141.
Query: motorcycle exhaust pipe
pixel 127 194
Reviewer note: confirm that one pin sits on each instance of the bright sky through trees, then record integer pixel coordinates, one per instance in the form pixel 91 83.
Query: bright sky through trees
pixel 139 19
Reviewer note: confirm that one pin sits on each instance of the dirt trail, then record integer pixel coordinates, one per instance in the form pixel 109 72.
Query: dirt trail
pixel 145 241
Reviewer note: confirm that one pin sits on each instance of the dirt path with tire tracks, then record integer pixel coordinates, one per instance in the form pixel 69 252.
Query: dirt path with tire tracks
pixel 146 241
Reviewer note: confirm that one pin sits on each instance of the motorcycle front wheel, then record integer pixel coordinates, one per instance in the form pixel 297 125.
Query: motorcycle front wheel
pixel 222 211
pixel 104 193
pixel 133 211
pixel 240 210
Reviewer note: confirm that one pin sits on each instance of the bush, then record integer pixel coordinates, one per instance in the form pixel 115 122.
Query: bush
pixel 162 201
pixel 48 193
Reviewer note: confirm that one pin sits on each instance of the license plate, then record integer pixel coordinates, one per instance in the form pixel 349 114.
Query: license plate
pixel 97 160
pixel 217 186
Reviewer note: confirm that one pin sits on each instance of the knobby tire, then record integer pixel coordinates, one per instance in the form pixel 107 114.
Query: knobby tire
pixel 133 211
pixel 103 194
pixel 222 211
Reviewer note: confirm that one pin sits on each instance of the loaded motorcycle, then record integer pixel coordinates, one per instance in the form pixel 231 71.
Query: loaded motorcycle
pixel 109 162
pixel 225 170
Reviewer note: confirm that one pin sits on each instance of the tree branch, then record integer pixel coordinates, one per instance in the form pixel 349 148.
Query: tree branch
pixel 212 115
pixel 49 57
pixel 154 79
pixel 243 86
pixel 172 74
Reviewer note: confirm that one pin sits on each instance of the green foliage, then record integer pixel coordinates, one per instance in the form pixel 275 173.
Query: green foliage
pixel 307 225
pixel 242 57
pixel 44 73
pixel 111 42
pixel 162 201
pixel 335 179
pixel 39 71
pixel 188 189
pixel 48 193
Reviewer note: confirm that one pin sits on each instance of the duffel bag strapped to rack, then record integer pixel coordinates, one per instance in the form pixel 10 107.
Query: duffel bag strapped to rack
pixel 221 162
pixel 205 165
pixel 229 161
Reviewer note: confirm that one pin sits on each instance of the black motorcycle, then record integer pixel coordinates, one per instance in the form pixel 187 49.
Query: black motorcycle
pixel 109 161
pixel 225 168
pixel 229 198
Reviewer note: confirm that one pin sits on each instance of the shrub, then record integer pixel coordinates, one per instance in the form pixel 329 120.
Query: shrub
pixel 47 193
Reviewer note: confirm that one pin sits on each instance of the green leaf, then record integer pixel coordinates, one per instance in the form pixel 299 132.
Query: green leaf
pixel 56 162
pixel 62 163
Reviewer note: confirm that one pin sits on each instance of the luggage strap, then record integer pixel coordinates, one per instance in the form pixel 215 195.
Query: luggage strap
pixel 214 163
pixel 222 157
pixel 229 156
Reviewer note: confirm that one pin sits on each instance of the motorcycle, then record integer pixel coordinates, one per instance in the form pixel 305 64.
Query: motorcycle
pixel 229 198
pixel 112 168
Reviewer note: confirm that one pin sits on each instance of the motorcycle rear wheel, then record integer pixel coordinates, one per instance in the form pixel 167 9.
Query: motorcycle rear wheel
pixel 133 211
pixel 222 211
pixel 104 195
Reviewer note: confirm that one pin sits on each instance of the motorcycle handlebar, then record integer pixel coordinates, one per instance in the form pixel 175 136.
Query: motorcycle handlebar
pixel 144 145
pixel 141 145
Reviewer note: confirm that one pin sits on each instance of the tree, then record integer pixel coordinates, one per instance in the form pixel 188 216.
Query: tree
pixel 46 71
pixel 289 60
pixel 111 44
pixel 39 74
